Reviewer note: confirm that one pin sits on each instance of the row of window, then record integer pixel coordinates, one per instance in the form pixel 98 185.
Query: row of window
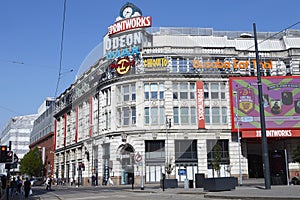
pixel 186 151
pixel 181 91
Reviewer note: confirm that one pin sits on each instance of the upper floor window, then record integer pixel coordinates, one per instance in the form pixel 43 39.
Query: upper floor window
pixel 154 115
pixel 126 93
pixel 184 115
pixel 184 90
pixel 126 116
pixel 214 90
pixel 154 91
pixel 216 115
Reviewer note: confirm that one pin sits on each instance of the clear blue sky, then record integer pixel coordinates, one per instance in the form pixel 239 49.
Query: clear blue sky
pixel 30 36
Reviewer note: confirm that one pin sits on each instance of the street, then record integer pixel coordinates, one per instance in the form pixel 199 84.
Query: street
pixel 86 193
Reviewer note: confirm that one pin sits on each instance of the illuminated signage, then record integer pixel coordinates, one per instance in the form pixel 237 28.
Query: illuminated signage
pixel 155 62
pixel 200 104
pixel 129 24
pixel 122 53
pixel 122 65
pixel 227 65
pixel 123 41
pixel 281 102
pixel 271 133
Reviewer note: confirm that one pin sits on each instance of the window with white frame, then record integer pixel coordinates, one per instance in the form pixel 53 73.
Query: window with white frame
pixel 184 115
pixel 184 90
pixel 216 115
pixel 153 91
pixel 214 90
pixel 154 115
pixel 126 116
pixel 126 93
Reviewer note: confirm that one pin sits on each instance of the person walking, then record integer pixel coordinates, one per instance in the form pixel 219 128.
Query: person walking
pixel 19 186
pixel 3 186
pixel 27 187
pixel 13 187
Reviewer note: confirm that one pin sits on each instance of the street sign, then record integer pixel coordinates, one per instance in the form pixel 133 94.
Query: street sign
pixel 138 157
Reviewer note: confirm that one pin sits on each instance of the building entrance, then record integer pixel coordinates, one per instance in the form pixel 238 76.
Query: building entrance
pixel 126 152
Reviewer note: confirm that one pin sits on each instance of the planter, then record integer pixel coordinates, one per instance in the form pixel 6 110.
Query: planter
pixel 220 184
pixel 169 183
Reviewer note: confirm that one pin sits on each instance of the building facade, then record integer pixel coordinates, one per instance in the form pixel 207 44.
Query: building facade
pixel 17 131
pixel 162 100
pixel 42 135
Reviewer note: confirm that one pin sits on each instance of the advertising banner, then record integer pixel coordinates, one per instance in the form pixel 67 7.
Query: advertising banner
pixel 200 104
pixel 281 102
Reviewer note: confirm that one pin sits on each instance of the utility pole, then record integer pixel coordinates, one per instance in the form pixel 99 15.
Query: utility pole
pixel 262 118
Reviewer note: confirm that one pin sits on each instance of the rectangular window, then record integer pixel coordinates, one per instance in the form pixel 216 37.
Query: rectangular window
pixel 217 151
pixel 193 115
pixel 126 93
pixel 192 90
pixel 133 92
pixel 175 90
pixel 147 115
pixel 223 90
pixel 207 115
pixel 206 90
pixel 224 115
pixel 147 91
pixel 154 115
pixel 184 115
pixel 126 115
pixel 154 91
pixel 215 90
pixel 215 112
pixel 133 115
pixel 185 150
pixel 176 115
pixel 183 90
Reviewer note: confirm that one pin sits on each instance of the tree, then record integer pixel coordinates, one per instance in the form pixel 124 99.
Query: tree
pixel 32 164
pixel 217 158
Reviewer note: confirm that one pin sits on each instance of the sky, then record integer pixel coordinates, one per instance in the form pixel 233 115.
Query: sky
pixel 31 37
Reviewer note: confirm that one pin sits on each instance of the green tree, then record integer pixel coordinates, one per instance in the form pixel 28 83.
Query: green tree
pixel 217 158
pixel 32 164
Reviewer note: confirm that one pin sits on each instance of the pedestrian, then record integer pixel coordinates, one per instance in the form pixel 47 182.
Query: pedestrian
pixel 13 187
pixel 110 182
pixel 48 183
pixel 93 180
pixel 19 186
pixel 3 186
pixel 27 187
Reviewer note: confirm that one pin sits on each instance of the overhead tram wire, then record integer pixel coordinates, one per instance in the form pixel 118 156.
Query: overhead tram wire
pixel 61 47
pixel 277 33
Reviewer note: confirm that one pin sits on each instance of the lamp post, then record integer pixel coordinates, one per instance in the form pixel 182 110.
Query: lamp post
pixel 264 142
pixel 238 131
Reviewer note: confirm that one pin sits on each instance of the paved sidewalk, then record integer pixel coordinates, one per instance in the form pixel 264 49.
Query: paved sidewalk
pixel 251 189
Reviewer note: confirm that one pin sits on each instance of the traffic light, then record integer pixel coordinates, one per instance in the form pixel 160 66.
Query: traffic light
pixel 3 154
pixel 10 157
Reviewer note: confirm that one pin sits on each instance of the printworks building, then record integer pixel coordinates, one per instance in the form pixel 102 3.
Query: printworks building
pixel 161 100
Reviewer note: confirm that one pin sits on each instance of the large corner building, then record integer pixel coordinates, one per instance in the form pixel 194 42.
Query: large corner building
pixel 159 100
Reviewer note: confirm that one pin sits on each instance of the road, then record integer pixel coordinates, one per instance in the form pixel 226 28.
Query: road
pixel 91 193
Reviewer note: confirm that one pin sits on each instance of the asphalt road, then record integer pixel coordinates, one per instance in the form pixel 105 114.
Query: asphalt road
pixel 92 193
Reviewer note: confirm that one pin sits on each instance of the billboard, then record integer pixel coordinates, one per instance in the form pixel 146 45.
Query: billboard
pixel 281 102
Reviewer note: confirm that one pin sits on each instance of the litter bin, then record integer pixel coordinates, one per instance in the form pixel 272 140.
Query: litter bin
pixel 191 183
pixel 199 180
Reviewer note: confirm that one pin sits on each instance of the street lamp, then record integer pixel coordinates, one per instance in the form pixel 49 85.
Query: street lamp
pixel 238 131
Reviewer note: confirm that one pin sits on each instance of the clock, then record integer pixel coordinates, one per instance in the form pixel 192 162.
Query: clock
pixel 127 12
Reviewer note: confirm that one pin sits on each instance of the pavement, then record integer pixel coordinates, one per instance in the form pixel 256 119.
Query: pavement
pixel 250 189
